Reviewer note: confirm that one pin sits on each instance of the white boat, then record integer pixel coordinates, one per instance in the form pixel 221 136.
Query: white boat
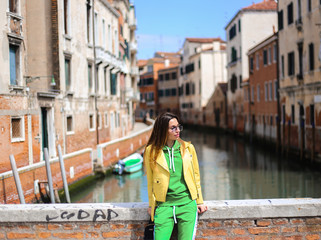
pixel 130 164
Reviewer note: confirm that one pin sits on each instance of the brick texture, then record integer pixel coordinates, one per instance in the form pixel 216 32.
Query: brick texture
pixel 290 229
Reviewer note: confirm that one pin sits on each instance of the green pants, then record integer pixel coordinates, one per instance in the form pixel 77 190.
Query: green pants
pixel 185 216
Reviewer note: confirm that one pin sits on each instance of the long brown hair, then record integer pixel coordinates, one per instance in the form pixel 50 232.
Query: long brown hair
pixel 159 135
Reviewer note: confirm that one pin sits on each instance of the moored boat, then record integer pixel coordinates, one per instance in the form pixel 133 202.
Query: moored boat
pixel 130 164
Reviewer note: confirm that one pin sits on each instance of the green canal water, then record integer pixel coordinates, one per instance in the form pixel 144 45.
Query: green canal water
pixel 230 169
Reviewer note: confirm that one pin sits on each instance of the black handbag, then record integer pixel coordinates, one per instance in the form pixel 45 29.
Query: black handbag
pixel 149 231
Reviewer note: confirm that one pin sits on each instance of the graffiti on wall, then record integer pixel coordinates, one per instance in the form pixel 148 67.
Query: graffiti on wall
pixel 98 215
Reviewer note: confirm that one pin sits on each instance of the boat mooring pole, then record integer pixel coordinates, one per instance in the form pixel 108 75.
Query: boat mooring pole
pixel 52 196
pixel 17 179
pixel 63 174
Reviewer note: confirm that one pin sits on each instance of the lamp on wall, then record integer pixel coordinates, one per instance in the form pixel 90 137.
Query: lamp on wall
pixel 30 79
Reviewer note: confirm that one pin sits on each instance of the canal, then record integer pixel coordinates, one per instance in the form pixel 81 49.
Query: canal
pixel 230 169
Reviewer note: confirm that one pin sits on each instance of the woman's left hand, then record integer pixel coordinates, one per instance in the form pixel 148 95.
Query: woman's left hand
pixel 201 208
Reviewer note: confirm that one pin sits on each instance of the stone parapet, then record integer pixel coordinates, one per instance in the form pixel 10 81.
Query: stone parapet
pixel 233 219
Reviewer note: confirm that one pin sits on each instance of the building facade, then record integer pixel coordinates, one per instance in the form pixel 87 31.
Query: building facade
pixel 248 27
pixel 202 68
pixel 168 99
pixel 216 108
pixel 300 86
pixel 66 74
pixel 148 84
pixel 261 91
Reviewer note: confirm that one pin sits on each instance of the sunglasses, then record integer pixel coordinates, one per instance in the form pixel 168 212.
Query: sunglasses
pixel 179 127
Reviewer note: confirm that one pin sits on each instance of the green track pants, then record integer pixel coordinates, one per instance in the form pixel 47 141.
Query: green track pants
pixel 185 216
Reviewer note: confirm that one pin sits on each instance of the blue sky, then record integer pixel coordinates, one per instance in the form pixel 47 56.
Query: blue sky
pixel 162 25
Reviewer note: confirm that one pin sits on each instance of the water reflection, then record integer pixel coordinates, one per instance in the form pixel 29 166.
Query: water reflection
pixel 230 169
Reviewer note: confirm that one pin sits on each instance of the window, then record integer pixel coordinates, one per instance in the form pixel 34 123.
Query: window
pixel 17 129
pixel 292 114
pixel 270 91
pixel 100 121
pixel 290 13
pixel 240 79
pixel 280 19
pixel 189 68
pixel 150 68
pixel 14 64
pixel 187 90
pixel 13 6
pixel 232 32
pixel 311 57
pixel 265 57
pixel 239 25
pixel 174 75
pixel 271 120
pixel 109 39
pixel 161 92
pixel 174 92
pixel 275 53
pixel 161 77
pixel 106 120
pixel 96 27
pixel 251 64
pixel 257 61
pixel 233 55
pixel 269 56
pixel 67 73
pixel 233 83
pixel 258 93
pixel 282 66
pixel 167 76
pixel 266 91
pixel 167 92
pixel 91 122
pixel 103 25
pixel 312 115
pixel 309 6
pixel 252 94
pixel 113 83
pixel 105 81
pixel 90 78
pixel 89 22
pixel 291 64
pixel 70 124
pixel 275 89
pixel 283 114
pixel 199 64
pixel 66 16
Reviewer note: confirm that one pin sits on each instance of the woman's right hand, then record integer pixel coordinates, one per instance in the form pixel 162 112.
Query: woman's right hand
pixel 149 210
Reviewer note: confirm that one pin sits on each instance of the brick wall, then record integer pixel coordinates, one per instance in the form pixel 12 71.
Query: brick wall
pixel 238 219
pixel 81 163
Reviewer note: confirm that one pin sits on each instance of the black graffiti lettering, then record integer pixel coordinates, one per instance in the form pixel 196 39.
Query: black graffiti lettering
pixel 97 215
pixel 65 215
pixel 50 218
pixel 109 214
pixel 81 216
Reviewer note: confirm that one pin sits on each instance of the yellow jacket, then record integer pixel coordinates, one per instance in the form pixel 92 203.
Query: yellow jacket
pixel 158 178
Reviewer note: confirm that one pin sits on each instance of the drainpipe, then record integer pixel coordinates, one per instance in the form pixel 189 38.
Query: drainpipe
pixel 95 71
pixel 278 122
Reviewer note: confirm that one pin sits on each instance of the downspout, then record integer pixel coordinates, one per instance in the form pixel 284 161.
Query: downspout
pixel 95 71
pixel 278 140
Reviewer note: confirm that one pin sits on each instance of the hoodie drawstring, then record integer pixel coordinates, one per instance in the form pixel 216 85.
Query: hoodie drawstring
pixel 171 158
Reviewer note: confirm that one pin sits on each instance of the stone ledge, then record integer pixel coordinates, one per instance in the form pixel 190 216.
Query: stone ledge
pixel 102 212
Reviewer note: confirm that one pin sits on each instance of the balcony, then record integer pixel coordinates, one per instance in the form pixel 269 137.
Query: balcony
pixel 14 25
pixel 133 46
pixel 110 59
pixel 132 21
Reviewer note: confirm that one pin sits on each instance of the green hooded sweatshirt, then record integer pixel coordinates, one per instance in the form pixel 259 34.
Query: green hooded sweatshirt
pixel 177 193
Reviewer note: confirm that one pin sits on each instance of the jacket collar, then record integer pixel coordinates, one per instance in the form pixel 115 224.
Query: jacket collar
pixel 161 160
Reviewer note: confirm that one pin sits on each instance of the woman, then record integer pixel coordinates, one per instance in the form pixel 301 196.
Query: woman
pixel 173 180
